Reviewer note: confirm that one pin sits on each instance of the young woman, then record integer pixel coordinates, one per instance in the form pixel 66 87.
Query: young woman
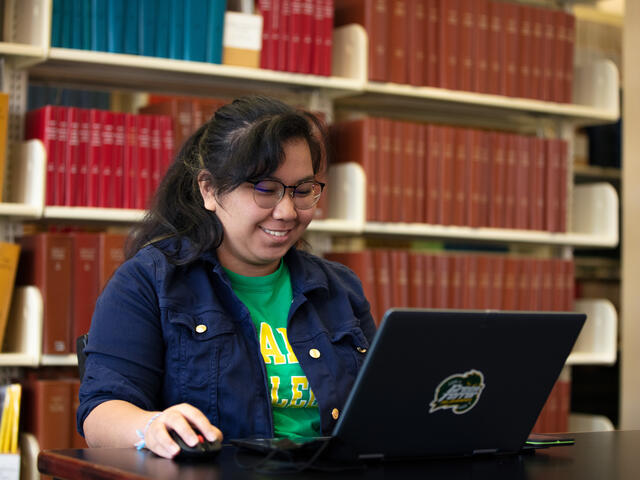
pixel 217 322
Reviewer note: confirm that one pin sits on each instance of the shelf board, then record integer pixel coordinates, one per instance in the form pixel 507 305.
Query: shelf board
pixel 407 98
pixel 63 360
pixel 91 214
pixel 21 50
pixel 18 360
pixel 488 235
pixel 19 210
pixel 592 172
pixel 335 226
pixel 135 71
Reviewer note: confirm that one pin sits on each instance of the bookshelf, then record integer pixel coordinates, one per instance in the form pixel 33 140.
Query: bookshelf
pixel 594 207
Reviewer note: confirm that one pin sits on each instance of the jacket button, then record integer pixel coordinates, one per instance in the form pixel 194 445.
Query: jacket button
pixel 314 353
pixel 361 349
pixel 201 328
pixel 335 413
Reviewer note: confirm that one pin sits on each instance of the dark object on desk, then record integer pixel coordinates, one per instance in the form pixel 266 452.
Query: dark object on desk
pixel 203 450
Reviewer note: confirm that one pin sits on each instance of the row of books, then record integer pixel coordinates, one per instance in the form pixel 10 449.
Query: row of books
pixel 297 35
pixel 49 410
pixel 179 29
pixel 70 269
pixel 41 95
pixel 99 158
pixel 446 175
pixel 486 46
pixel 554 417
pixel 402 278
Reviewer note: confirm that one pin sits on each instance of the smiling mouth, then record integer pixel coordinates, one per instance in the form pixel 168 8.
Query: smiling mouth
pixel 275 233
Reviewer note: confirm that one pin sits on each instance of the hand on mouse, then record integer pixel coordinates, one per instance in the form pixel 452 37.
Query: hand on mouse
pixel 182 419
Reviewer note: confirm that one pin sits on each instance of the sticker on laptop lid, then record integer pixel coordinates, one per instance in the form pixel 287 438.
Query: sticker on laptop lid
pixel 459 392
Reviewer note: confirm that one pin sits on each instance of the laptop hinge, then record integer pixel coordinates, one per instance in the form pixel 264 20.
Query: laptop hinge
pixel 485 451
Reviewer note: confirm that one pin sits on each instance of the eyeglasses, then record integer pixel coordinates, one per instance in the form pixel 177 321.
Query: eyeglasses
pixel 268 193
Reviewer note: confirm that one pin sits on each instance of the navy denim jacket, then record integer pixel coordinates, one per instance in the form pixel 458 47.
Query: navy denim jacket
pixel 163 334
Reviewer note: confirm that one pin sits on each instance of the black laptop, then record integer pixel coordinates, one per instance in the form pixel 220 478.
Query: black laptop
pixel 440 383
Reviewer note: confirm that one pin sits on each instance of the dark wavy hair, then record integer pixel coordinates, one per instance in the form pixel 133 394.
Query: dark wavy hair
pixel 243 141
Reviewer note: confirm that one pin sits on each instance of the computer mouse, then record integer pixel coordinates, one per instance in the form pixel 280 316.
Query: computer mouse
pixel 202 450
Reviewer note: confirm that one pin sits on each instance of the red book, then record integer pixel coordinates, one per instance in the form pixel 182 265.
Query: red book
pixel 497 274
pixel 85 249
pixel 570 285
pixel 485 177
pixel 284 37
pixel 45 261
pixel 483 279
pixel 470 282
pixel 481 46
pixel 398 41
pixel 432 49
pixel 397 170
pixel 361 262
pixel 429 281
pixel 456 271
pixel 130 160
pixel 564 405
pixel 461 184
pixel 523 283
pixel 156 154
pixel 72 156
pixel 167 147
pixel 307 39
pixel 60 157
pixel 474 174
pixel 536 185
pixel 327 46
pixel 106 177
pixel 119 122
pixel 79 182
pixel 433 185
pixel 546 289
pixel 409 171
pixel 416 33
pixel 537 273
pixel 446 176
pixel 466 44
pixel 400 278
pixel 420 172
pixel 510 285
pixel 111 255
pixel 511 185
pixel 537 49
pixel 498 162
pixel 318 38
pixel 382 266
pixel 441 281
pixel 449 52
pixel 46 411
pixel 267 51
pixel 43 124
pixel 496 50
pixel 570 39
pixel 295 37
pixel 143 185
pixel 383 208
pixel 548 54
pixel 523 173
pixel 373 16
pixel 552 186
pixel 525 46
pixel 76 441
pixel 181 110
pixel 559 62
pixel 563 187
pixel 559 295
pixel 511 75
pixel 416 280
pixel 357 141
pixel 95 158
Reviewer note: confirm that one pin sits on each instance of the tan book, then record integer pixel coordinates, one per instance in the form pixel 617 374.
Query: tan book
pixel 9 255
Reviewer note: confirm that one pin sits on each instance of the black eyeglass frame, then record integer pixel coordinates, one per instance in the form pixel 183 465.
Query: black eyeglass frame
pixel 284 189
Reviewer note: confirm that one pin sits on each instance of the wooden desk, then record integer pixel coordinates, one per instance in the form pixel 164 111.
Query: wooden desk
pixel 602 455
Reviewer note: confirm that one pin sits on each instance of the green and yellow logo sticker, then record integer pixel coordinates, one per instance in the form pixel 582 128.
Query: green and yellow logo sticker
pixel 459 392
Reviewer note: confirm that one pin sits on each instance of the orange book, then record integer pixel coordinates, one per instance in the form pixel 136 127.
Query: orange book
pixel 9 255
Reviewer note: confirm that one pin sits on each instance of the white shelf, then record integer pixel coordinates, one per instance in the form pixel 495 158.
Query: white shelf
pixel 119 215
pixel 25 190
pixel 598 340
pixel 23 343
pixel 59 360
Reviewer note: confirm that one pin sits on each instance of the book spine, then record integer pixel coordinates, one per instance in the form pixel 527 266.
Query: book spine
pixel 295 37
pixel 266 53
pixel 72 169
pixel 432 48
pixel 130 160
pixel 60 156
pixel 449 50
pixel 118 160
pixel 416 34
pixel 398 41
pixel 511 22
pixel 496 50
pixel 106 175
pixel 143 183
pixel 466 43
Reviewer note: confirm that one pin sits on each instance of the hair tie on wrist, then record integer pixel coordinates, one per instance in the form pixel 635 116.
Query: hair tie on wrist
pixel 140 444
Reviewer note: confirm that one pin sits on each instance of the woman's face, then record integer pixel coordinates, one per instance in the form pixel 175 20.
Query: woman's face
pixel 255 238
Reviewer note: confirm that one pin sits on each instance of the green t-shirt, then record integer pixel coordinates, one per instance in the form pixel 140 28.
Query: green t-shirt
pixel 268 298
